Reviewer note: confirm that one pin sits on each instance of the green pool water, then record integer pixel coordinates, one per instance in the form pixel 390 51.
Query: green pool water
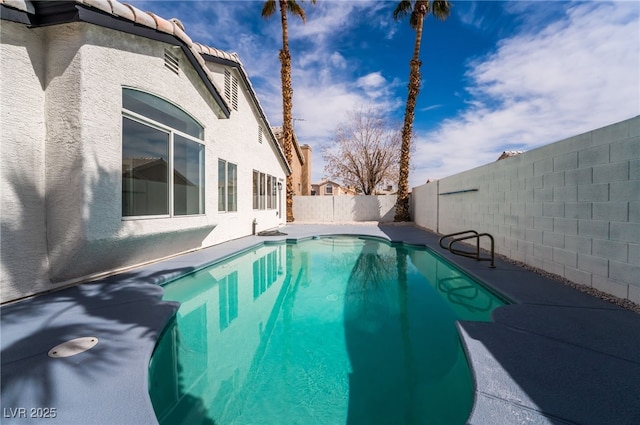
pixel 340 330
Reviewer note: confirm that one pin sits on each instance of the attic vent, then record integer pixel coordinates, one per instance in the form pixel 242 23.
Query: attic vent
pixel 234 94
pixel 259 134
pixel 172 62
pixel 231 89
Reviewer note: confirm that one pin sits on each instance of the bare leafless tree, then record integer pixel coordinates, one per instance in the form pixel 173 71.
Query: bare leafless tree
pixel 365 150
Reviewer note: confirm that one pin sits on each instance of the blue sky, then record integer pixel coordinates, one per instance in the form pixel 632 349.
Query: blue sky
pixel 512 75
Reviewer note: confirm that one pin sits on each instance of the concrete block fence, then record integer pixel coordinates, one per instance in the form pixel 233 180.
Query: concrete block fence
pixel 344 208
pixel 570 208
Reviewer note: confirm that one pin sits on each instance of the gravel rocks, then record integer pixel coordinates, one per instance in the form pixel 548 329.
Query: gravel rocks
pixel 624 303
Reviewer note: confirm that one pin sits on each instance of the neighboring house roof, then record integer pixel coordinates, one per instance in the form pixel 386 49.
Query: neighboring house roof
pixel 278 131
pixel 507 154
pixel 127 18
pixel 334 184
pixel 324 182
pixel 387 190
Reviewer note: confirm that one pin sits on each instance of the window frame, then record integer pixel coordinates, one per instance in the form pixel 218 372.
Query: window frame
pixel 226 187
pixel 269 191
pixel 141 119
pixel 256 189
pixel 328 189
pixel 264 191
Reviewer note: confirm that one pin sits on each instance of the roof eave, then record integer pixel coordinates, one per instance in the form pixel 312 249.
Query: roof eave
pixel 62 12
pixel 254 98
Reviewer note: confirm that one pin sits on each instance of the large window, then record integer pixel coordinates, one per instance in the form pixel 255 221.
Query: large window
pixel 274 196
pixel 264 191
pixel 227 186
pixel 162 158
pixel 228 299
pixel 270 183
pixel 256 184
pixel 265 273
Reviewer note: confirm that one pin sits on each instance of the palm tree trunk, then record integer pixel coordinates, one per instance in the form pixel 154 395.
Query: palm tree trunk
pixel 402 203
pixel 287 105
pixel 405 332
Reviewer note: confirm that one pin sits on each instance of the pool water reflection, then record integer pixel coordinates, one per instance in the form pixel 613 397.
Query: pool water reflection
pixel 325 331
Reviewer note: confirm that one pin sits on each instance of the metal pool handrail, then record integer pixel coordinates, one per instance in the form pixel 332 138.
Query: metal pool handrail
pixel 455 294
pixel 474 255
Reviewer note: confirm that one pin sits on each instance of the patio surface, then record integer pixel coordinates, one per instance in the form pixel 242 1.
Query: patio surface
pixel 555 356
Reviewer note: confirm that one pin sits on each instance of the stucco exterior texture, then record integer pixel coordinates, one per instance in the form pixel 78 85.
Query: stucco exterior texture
pixel 61 93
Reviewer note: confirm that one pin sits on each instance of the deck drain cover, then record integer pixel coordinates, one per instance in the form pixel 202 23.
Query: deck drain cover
pixel 73 347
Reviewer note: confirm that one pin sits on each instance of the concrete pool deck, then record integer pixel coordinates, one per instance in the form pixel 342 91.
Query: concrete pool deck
pixel 554 356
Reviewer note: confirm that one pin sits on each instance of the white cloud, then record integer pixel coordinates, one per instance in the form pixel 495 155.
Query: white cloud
pixel 331 18
pixel 372 80
pixel 576 74
pixel 468 14
pixel 338 61
pixel 430 108
pixel 328 20
pixel 326 83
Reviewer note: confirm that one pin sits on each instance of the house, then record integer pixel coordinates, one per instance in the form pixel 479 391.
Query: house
pixel 508 154
pixel 123 142
pixel 386 190
pixel 331 188
pixel 300 163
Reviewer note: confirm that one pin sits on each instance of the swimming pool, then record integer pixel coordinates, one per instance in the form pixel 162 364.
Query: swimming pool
pixel 330 330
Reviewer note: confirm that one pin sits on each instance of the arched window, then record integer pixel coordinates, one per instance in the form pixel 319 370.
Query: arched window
pixel 162 158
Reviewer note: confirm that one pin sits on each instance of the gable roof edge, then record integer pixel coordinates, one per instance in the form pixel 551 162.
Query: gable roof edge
pixel 296 144
pixel 232 60
pixel 119 17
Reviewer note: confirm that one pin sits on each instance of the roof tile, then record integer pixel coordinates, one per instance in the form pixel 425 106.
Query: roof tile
pixel 23 5
pixel 103 5
pixel 173 27
pixel 178 31
pixel 119 9
pixel 162 24
pixel 141 17
pixel 196 47
pixel 178 22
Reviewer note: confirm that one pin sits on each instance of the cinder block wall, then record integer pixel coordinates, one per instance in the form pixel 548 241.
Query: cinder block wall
pixel 570 208
pixel 343 208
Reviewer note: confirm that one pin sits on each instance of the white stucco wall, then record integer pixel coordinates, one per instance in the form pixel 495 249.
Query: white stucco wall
pixel 249 154
pixel 78 158
pixel 571 208
pixel 23 250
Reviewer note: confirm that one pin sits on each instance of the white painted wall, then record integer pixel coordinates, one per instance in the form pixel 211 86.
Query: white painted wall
pixel 23 252
pixel 61 214
pixel 249 154
pixel 344 208
pixel 571 208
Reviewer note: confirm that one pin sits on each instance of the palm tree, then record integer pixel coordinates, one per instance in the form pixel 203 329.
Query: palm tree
pixel 268 9
pixel 419 11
